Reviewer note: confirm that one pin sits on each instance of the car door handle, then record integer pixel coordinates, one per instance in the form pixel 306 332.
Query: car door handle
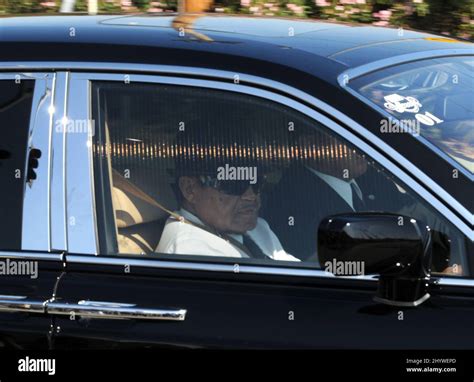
pixel 112 310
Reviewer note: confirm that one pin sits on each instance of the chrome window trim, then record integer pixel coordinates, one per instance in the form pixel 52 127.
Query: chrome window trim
pixel 242 269
pixel 250 79
pixel 244 89
pixel 353 73
pixel 211 267
pixel 450 281
pixel 399 60
pixel 36 198
pixel 32 256
pixel 81 225
pixel 58 166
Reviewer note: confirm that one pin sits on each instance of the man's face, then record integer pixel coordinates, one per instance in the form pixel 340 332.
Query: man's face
pixel 225 213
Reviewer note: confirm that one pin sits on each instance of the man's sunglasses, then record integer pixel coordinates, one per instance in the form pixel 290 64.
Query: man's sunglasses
pixel 233 187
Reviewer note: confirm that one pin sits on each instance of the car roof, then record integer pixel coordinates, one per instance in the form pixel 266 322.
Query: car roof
pixel 294 42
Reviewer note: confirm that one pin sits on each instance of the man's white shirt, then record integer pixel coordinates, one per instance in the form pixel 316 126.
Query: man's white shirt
pixel 183 238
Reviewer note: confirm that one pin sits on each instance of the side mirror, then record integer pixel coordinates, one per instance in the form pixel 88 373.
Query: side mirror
pixel 396 247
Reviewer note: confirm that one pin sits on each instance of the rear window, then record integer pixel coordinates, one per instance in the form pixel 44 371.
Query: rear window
pixel 15 109
pixel 433 98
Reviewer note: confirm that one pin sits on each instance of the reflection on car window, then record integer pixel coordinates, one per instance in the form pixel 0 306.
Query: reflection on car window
pixel 435 98
pixel 213 174
pixel 15 110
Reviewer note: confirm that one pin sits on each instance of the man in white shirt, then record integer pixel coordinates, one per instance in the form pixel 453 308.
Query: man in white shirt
pixel 220 218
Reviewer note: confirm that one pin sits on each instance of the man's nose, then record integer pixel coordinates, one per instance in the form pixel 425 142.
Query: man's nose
pixel 249 194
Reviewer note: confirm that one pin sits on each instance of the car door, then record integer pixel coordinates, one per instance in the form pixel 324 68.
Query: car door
pixel 121 177
pixel 29 263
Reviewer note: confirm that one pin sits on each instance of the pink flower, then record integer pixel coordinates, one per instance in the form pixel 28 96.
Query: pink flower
pixel 245 3
pixel 298 10
pixel 322 3
pixel 383 15
pixel 48 4
pixel 155 10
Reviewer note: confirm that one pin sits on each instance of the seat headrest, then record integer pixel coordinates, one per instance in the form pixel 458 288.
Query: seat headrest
pixel 132 206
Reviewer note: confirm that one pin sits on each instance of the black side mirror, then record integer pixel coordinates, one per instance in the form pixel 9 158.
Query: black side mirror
pixel 398 248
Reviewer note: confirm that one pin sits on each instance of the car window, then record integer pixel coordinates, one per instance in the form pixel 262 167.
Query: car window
pixel 15 108
pixel 435 99
pixel 196 173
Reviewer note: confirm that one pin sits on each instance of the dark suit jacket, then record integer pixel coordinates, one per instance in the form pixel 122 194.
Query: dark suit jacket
pixel 308 199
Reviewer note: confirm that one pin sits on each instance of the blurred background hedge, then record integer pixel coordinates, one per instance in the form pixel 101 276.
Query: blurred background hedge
pixel 448 17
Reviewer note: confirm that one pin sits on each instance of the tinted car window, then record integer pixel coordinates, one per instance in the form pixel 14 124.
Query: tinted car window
pixel 435 99
pixel 195 172
pixel 15 109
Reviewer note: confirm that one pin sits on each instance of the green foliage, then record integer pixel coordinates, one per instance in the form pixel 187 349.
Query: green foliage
pixel 21 6
pixel 141 4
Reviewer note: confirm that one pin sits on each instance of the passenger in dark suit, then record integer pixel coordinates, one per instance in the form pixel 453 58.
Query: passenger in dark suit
pixel 296 206
pixel 315 188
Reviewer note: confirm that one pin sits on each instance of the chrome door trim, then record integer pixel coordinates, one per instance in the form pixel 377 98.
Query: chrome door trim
pixel 15 304
pixel 36 199
pixel 243 269
pixel 32 256
pixel 58 165
pixel 211 267
pixel 114 311
pixel 260 81
pixel 350 74
pixel 451 281
pixel 82 236
pixel 90 241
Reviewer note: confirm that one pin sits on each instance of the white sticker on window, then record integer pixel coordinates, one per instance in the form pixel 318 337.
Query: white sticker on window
pixel 402 104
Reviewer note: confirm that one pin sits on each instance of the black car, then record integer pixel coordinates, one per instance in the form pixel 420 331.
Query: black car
pixel 234 182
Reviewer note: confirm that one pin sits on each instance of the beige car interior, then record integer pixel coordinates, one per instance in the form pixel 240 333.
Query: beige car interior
pixel 139 218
